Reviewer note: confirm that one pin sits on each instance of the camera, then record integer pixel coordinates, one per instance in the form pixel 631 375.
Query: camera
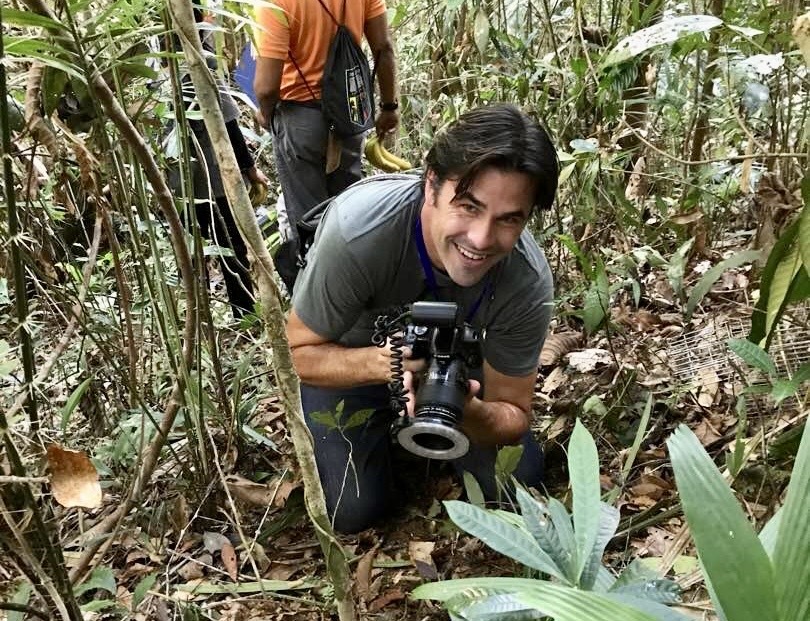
pixel 433 332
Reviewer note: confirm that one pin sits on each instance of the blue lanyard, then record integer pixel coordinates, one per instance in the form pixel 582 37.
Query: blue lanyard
pixel 430 277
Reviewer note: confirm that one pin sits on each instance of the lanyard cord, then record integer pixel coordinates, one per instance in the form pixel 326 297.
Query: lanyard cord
pixel 430 277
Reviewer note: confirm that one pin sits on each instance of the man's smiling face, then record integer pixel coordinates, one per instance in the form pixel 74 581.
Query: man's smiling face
pixel 467 235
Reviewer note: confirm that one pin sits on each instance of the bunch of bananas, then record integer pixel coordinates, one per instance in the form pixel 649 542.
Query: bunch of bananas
pixel 257 193
pixel 382 158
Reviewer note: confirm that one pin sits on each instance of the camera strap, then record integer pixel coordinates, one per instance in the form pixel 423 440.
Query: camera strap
pixel 430 277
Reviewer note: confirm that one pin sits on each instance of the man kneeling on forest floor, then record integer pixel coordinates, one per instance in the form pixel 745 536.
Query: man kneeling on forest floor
pixel 455 234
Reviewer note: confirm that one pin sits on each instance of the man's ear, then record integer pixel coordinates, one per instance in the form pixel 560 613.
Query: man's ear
pixel 430 188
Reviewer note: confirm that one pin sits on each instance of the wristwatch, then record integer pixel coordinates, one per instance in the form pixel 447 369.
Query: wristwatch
pixel 390 107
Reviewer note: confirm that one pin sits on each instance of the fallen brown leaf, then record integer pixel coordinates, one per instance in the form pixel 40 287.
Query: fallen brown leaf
pixel 260 494
pixel 554 380
pixel 420 553
pixel 363 573
pixel 74 479
pixel 386 598
pixel 228 555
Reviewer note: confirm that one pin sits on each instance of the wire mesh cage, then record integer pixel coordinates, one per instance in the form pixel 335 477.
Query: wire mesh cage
pixel 703 360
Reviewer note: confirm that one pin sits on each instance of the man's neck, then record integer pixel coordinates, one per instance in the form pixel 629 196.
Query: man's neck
pixel 425 217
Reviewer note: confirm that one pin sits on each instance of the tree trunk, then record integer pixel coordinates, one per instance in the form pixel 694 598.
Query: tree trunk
pixel 272 312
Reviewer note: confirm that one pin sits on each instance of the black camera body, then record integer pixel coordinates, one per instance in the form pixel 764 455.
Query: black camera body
pixel 451 349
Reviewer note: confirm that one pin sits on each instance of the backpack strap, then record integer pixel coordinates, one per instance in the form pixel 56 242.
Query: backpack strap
pixel 301 73
pixel 298 68
pixel 342 16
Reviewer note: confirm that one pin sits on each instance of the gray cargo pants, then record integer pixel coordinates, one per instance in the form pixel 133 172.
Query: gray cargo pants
pixel 300 137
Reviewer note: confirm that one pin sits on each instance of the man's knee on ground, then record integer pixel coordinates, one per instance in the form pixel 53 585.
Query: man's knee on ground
pixel 355 513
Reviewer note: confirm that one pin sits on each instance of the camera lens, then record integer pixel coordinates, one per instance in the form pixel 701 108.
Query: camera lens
pixel 433 442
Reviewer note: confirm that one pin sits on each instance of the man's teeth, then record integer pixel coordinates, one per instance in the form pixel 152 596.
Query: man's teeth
pixel 470 255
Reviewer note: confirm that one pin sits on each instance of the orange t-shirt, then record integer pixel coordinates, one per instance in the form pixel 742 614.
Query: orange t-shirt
pixel 303 29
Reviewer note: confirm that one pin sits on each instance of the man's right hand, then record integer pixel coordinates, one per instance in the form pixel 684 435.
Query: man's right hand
pixel 261 120
pixel 386 122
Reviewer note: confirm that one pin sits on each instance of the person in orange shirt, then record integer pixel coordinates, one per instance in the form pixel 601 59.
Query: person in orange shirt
pixel 293 43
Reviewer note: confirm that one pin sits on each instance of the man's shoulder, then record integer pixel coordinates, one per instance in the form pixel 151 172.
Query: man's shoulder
pixel 377 203
pixel 528 265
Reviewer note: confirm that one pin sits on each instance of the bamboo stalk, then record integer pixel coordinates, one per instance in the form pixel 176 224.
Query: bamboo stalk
pixel 272 313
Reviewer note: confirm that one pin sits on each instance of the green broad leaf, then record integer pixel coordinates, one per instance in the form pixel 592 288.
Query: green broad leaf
pixel 474 494
pixel 481 31
pixel 745 31
pixel 31 19
pixel 260 439
pixel 565 532
pixel 557 601
pixel 494 607
pixel 73 400
pixel 538 523
pixel 778 252
pixel 790 557
pixel 455 5
pixel 102 579
pixel 97 604
pixel 565 173
pixel 22 596
pixel 583 468
pixel 326 418
pixel 597 300
pixel 501 536
pixel 753 355
pixel 663 33
pixel 709 278
pixel 732 556
pixel 358 418
pixel 507 460
pixel 604 580
pixel 141 589
pixel 638 571
pixel 770 533
pixel 8 361
pixel 655 609
pixel 783 278
pixel 53 87
pixel 595 405
pixel 137 69
pixel 608 523
pixel 804 224
pixel 782 389
pixel 657 590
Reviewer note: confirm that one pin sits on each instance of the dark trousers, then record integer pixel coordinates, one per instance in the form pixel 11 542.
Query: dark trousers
pixel 300 138
pixel 355 465
pixel 217 224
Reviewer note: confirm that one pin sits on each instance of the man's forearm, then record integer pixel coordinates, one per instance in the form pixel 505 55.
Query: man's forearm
pixel 387 75
pixel 333 366
pixel 494 422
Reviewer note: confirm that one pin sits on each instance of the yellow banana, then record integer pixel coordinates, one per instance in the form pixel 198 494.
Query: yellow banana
pixel 257 193
pixel 375 156
pixel 383 159
pixel 397 161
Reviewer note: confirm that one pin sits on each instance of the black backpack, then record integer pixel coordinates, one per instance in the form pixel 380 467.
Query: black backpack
pixel 347 86
pixel 291 256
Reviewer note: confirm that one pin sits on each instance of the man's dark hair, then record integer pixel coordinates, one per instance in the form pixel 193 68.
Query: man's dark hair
pixel 499 136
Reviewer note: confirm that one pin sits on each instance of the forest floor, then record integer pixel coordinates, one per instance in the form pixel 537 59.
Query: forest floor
pixel 252 554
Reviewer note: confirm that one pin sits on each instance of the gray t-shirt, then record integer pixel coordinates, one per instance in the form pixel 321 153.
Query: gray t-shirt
pixel 364 260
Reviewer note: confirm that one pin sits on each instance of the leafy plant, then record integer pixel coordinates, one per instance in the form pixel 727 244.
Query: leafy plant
pixel 565 547
pixel 780 387
pixel 748 578
pixel 786 278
